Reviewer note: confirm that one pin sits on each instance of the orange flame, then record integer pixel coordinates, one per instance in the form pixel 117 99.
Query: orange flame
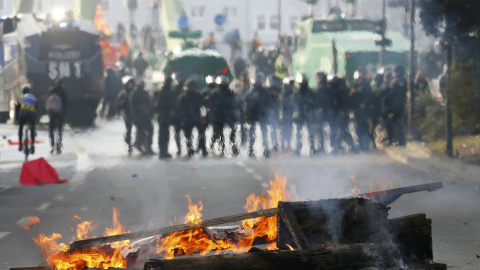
pixel 290 247
pixel 31 221
pixel 198 241
pixel 184 242
pixel 59 257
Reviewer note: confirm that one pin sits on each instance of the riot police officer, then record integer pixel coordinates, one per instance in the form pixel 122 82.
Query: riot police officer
pixel 177 125
pixel 303 101
pixel 189 103
pixel 123 105
pixel 375 108
pixel 395 98
pixel 287 112
pixel 320 109
pixel 165 109
pixel 206 117
pixel 273 111
pixel 337 93
pixel 222 108
pixel 256 106
pixel 142 118
pixel 360 101
pixel 241 91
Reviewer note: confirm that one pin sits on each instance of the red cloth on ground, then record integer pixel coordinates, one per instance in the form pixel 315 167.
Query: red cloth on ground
pixel 39 172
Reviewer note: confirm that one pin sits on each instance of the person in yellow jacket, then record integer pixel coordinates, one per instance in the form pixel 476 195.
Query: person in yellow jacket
pixel 281 68
pixel 27 112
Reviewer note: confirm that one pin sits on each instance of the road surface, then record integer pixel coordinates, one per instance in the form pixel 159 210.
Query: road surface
pixel 149 193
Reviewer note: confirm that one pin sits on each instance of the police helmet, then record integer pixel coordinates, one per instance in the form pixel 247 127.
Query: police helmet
pixel 209 80
pixel 258 79
pixel 222 80
pixel 190 84
pixel 177 76
pixel 26 88
pixel 381 71
pixel 398 70
pixel 272 81
pixel 387 76
pixel 358 75
pixel 321 74
pixel 332 77
pixel 288 80
pixel 141 81
pixel 127 79
pixel 301 78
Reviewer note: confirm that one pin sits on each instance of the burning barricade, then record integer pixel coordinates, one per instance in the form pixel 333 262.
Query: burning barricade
pixel 347 233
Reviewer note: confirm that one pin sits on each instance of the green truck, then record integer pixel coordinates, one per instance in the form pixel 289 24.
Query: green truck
pixel 341 46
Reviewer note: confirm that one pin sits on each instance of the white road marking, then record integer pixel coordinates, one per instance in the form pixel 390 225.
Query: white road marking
pixel 22 221
pixel 3 234
pixel 43 207
pixel 3 188
pixel 60 197
pixel 257 176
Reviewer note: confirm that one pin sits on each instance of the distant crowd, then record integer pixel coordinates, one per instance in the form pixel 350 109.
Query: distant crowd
pixel 279 108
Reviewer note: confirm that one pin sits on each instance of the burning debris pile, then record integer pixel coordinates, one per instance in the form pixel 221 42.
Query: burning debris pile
pixel 349 233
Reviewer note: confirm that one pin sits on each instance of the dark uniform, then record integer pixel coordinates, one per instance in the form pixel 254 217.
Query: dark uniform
pixel 256 106
pixel 304 101
pixel 287 113
pixel 395 98
pixel 320 109
pixel 273 110
pixel 339 106
pixel 240 94
pixel 189 103
pixel 375 108
pixel 360 102
pixel 140 65
pixel 113 85
pixel 142 119
pixel 177 125
pixel 57 119
pixel 165 109
pixel 206 115
pixel 123 105
pixel 222 108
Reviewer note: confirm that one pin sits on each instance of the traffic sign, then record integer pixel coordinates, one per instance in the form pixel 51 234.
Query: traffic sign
pixel 220 19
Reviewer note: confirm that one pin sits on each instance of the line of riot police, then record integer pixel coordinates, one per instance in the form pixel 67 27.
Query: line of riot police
pixel 276 109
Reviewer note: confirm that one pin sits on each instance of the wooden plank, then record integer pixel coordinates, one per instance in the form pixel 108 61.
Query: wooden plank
pixel 389 196
pixel 175 228
pixel 291 222
pixel 338 257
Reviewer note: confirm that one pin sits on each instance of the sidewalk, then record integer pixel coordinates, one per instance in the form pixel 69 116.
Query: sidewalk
pixel 418 156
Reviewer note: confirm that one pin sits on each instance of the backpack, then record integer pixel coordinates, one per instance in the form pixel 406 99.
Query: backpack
pixel 54 104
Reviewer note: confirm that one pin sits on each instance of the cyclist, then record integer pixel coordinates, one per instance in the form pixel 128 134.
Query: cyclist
pixel 27 104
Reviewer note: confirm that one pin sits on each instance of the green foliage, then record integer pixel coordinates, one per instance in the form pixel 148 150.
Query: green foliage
pixel 459 18
pixel 429 116
pixel 465 96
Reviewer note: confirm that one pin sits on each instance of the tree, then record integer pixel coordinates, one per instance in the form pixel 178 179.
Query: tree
pixel 454 22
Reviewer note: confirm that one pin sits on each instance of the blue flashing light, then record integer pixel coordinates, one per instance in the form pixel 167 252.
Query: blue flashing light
pixel 3 17
pixel 63 24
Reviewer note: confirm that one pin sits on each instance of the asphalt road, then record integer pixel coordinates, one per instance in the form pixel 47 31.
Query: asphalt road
pixel 149 193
